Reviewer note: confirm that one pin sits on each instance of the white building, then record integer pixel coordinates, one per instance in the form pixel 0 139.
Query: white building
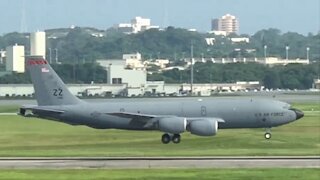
pixel 134 61
pixel 240 39
pixel 210 41
pixel 136 56
pixel 15 61
pixel 117 74
pixel 316 84
pixel 38 44
pixel 277 61
pixel 137 24
pixel 162 63
pixel 124 27
pixel 140 24
pixel 218 33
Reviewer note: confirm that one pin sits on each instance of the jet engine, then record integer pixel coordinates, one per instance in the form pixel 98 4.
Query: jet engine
pixel 174 125
pixel 204 127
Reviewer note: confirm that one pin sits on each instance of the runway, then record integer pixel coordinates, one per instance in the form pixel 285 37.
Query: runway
pixel 160 162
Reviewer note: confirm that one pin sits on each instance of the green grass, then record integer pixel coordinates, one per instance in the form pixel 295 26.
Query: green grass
pixel 27 137
pixel 307 106
pixel 9 108
pixel 245 174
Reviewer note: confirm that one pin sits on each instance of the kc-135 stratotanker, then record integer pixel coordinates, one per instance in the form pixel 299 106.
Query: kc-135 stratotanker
pixel 202 117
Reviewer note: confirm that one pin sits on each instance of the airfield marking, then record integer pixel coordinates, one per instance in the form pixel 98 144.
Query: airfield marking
pixel 8 114
pixel 160 162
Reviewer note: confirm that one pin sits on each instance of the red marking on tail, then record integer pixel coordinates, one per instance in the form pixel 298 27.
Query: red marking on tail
pixel 36 62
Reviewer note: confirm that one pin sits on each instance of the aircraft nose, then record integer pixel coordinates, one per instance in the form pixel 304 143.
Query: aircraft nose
pixel 299 114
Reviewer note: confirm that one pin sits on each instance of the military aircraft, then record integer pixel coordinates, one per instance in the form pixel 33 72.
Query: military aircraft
pixel 202 117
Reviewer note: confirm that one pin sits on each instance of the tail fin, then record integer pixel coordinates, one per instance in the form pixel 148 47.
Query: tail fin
pixel 49 88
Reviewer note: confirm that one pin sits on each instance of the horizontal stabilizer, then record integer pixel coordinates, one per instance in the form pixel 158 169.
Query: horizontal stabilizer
pixel 38 109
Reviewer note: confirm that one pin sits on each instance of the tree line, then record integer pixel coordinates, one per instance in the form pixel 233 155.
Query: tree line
pixel 291 76
pixel 79 45
pixel 78 51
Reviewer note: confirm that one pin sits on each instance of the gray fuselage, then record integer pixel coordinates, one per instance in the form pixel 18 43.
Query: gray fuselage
pixel 236 112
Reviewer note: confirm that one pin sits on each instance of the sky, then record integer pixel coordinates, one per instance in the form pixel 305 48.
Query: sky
pixel 301 16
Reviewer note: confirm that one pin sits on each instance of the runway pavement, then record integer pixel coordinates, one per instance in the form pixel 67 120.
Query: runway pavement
pixel 160 162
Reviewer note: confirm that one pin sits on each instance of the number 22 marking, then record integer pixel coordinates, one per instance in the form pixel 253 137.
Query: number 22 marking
pixel 57 92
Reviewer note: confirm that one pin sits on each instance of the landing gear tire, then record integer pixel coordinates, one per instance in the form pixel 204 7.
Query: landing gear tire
pixel 176 138
pixel 165 138
pixel 267 135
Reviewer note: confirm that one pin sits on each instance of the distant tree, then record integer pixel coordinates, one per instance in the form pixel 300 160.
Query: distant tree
pixel 271 79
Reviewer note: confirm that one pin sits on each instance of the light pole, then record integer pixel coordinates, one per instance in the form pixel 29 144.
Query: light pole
pixel 191 82
pixel 265 51
pixel 56 55
pixel 287 52
pixel 50 56
pixel 308 49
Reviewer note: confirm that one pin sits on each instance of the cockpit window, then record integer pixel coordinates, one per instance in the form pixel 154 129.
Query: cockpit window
pixel 287 106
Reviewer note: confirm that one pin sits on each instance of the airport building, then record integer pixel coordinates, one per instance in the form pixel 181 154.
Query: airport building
pixel 277 61
pixel 151 88
pixel 38 44
pixel 226 23
pixel 118 73
pixel 316 84
pixel 15 59
pixel 122 80
pixel 270 61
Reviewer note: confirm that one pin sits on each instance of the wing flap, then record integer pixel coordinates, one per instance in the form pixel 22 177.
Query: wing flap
pixel 145 120
pixel 132 115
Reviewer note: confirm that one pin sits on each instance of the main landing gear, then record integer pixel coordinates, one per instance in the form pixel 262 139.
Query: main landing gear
pixel 267 135
pixel 166 138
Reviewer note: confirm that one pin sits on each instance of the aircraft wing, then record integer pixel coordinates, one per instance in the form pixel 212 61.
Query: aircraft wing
pixel 146 120
pixel 132 115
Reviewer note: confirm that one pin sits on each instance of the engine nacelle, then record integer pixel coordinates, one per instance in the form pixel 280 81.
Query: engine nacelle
pixel 174 125
pixel 203 127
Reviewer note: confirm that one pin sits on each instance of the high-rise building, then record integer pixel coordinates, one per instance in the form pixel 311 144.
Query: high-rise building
pixel 15 59
pixel 38 44
pixel 227 23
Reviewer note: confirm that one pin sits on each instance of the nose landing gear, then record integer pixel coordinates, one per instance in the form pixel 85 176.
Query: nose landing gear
pixel 267 135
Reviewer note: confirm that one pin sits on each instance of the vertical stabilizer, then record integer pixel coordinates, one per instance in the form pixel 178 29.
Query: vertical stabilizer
pixel 49 88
